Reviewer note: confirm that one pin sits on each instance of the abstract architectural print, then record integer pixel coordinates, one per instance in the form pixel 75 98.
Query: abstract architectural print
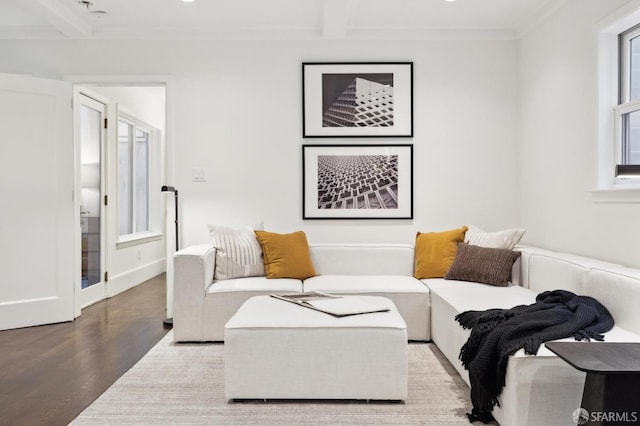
pixel 358 182
pixel 363 103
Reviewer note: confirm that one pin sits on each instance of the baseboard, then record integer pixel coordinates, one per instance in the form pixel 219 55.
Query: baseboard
pixel 123 282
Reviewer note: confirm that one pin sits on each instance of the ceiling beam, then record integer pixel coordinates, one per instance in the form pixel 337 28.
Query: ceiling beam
pixel 60 16
pixel 335 17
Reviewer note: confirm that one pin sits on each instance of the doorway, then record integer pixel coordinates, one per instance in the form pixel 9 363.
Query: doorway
pixel 121 242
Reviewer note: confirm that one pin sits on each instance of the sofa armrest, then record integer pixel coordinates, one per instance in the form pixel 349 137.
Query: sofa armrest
pixel 193 273
pixel 198 262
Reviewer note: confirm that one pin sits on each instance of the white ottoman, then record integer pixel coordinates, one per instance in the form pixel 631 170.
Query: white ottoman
pixel 278 350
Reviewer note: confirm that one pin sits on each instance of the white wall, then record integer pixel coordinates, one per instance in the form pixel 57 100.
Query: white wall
pixel 238 115
pixel 497 123
pixel 242 123
pixel 558 137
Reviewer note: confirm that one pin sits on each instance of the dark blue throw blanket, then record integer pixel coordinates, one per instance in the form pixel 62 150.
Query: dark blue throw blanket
pixel 498 333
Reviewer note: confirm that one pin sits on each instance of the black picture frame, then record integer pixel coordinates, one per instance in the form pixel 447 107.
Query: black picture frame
pixel 357 181
pixel 357 99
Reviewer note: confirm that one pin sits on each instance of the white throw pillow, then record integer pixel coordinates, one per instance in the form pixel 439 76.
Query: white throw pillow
pixel 505 239
pixel 238 252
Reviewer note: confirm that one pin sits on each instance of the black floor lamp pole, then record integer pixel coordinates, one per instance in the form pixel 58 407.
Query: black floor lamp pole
pixel 169 321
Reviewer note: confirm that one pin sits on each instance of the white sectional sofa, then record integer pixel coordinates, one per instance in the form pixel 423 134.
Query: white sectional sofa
pixel 540 390
pixel 202 307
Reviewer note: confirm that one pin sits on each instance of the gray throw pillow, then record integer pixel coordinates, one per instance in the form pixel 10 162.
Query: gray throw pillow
pixel 482 264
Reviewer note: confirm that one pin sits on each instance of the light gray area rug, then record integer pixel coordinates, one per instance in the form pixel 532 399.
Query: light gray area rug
pixel 184 384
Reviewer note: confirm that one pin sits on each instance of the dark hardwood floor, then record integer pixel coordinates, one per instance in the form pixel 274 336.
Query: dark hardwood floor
pixel 50 373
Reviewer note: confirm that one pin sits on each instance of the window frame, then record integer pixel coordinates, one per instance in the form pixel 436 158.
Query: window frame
pixel 624 62
pixel 153 210
pixel 609 187
pixel 621 132
pixel 625 106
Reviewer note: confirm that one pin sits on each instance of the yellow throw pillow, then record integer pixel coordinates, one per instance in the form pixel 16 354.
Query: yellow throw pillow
pixel 436 251
pixel 286 255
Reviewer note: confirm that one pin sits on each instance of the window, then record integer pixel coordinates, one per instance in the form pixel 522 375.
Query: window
pixel 618 77
pixel 135 147
pixel 628 110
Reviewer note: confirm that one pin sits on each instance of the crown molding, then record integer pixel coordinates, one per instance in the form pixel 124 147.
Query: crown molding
pixel 280 34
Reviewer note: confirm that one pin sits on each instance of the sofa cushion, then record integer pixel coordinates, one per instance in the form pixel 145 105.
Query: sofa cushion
pixel 435 252
pixel 520 273
pixel 223 298
pixel 238 252
pixel 505 239
pixel 365 284
pixel 435 283
pixel 259 284
pixel 551 272
pixel 449 298
pixel 618 289
pixel 362 259
pixel 482 264
pixel 286 255
pixel 544 270
pixel 483 296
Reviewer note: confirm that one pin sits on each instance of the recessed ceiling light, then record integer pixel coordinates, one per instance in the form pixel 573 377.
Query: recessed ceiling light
pixel 188 1
pixel 449 1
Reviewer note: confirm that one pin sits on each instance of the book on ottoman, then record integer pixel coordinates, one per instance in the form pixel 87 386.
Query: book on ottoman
pixel 338 306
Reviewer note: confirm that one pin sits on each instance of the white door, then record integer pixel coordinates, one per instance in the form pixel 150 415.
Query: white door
pixel 37 218
pixel 91 129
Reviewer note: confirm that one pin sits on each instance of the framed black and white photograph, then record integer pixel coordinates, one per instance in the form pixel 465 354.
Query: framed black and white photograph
pixel 357 99
pixel 357 181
